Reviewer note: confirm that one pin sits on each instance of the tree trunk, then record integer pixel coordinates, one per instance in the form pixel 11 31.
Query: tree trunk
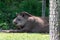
pixel 43 7
pixel 54 19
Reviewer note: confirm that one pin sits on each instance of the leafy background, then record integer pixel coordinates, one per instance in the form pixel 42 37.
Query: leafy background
pixel 9 8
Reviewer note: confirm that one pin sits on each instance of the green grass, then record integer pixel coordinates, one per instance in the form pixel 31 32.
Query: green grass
pixel 23 36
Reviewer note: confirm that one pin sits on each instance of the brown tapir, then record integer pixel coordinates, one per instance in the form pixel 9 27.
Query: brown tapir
pixel 29 23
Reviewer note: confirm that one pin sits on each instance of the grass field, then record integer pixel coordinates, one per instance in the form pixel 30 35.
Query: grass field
pixel 23 36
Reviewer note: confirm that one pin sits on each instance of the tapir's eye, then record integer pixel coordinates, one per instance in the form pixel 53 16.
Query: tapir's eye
pixel 19 19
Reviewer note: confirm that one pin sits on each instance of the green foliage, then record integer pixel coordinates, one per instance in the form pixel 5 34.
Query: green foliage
pixel 9 8
pixel 4 26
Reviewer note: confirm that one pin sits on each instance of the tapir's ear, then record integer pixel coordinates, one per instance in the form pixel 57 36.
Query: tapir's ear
pixel 23 14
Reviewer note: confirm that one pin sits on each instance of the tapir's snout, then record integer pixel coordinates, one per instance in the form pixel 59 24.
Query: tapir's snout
pixel 14 21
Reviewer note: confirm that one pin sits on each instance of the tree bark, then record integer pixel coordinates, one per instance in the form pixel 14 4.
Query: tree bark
pixel 54 20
